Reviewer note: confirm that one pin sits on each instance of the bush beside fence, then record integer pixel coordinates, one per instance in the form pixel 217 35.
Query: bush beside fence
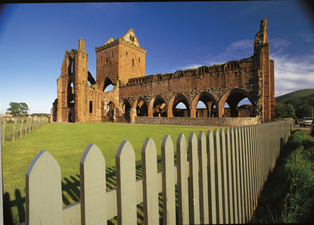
pixel 219 178
pixel 15 127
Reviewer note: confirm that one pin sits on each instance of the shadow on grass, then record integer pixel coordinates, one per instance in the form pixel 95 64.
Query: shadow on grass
pixel 71 193
pixel 277 186
pixel 8 204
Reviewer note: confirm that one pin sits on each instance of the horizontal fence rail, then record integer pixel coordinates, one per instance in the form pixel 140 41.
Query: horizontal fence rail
pixel 219 177
pixel 15 127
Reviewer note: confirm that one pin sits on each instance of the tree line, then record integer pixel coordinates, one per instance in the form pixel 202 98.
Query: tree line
pixel 295 108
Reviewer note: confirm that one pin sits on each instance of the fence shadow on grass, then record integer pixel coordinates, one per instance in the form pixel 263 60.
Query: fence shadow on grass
pixel 8 205
pixel 71 193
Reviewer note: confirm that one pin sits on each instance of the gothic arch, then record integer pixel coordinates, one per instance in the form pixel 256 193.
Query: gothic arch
pixel 232 65
pixel 157 107
pixel 233 97
pixel 174 101
pixel 209 102
pixel 105 83
pixel 141 107
pixel 70 65
pixel 126 106
pixel 110 107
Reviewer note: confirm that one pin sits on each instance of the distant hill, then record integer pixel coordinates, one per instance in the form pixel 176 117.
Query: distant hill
pixel 295 95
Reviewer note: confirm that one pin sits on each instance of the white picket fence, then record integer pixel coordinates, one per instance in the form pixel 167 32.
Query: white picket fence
pixel 219 181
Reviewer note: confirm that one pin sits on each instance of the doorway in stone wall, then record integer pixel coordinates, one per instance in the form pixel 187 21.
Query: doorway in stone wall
pixel 70 119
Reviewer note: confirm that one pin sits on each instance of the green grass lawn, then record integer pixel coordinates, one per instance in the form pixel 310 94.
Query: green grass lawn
pixel 67 142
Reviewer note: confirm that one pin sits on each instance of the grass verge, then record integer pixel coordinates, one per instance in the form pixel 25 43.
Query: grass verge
pixel 288 194
pixel 66 143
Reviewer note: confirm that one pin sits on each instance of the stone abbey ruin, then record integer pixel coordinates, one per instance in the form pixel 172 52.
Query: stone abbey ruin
pixel 137 98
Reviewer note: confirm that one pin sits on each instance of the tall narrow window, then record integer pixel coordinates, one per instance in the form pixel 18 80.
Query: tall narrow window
pixel 71 66
pixel 139 60
pixel 90 106
pixel 132 62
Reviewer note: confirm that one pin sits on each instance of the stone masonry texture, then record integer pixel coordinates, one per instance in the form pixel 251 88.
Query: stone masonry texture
pixel 138 98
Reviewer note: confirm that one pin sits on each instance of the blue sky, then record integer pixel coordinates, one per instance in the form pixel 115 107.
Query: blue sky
pixel 177 35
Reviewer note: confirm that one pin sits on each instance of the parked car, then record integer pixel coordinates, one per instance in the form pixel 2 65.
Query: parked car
pixel 307 121
pixel 312 128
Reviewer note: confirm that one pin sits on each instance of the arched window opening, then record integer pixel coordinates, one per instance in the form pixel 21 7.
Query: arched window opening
pixel 181 106
pixel 201 109
pixel 206 106
pixel 142 109
pixel 245 108
pixel 232 65
pixel 181 110
pixel 159 108
pixel 110 108
pixel 239 105
pixel 108 85
pixel 70 94
pixel 70 66
pixel 109 88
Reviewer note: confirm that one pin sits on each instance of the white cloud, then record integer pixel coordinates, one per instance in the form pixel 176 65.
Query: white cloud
pixel 192 66
pixel 307 37
pixel 278 45
pixel 243 45
pixel 293 73
pixel 235 51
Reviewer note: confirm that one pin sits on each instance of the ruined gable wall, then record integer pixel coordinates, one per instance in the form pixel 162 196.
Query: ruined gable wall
pixel 63 81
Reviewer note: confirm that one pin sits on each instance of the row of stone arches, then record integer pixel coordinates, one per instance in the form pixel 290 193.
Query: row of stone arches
pixel 203 105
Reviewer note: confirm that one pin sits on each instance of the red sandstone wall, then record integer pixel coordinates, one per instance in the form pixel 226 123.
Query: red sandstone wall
pixel 205 121
pixel 107 64
pixel 217 77
pixel 131 63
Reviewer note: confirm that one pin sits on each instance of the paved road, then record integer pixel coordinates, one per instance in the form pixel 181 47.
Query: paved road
pixel 304 129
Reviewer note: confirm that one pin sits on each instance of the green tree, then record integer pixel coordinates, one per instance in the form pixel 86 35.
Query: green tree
pixel 290 112
pixel 280 110
pixel 18 109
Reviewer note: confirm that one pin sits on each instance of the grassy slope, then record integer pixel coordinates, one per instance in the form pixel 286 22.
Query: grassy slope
pixel 295 95
pixel 67 142
pixel 287 196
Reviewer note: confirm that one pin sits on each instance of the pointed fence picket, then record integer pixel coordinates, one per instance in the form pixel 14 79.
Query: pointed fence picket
pixel 183 174
pixel 219 178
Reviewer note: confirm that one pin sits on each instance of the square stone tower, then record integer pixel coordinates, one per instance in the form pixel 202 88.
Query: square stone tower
pixel 119 60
